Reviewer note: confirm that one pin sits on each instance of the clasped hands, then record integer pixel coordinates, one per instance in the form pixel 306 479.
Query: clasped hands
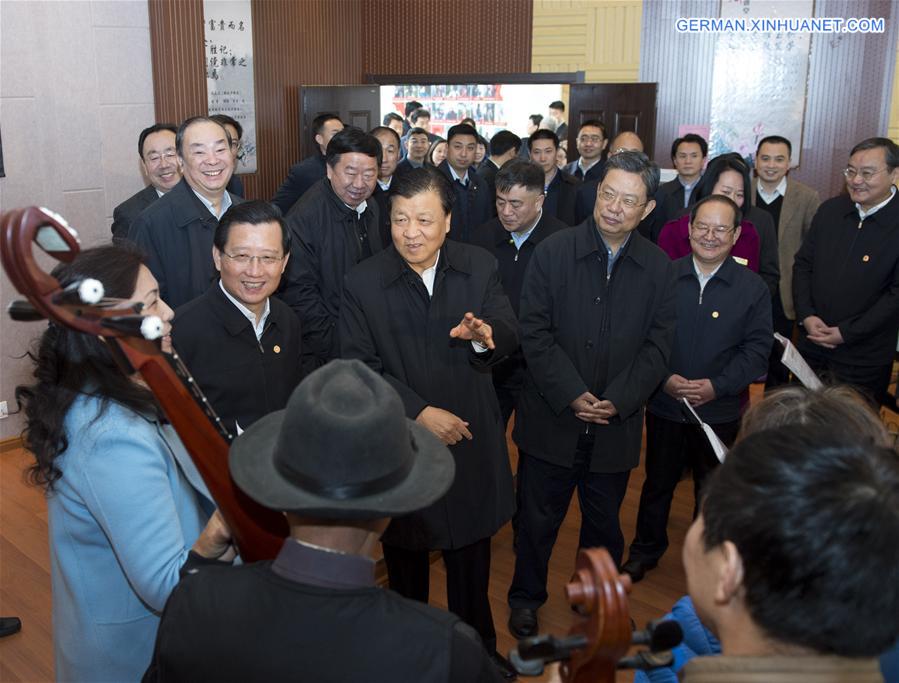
pixel 696 391
pixel 588 408
pixel 821 333
pixel 447 426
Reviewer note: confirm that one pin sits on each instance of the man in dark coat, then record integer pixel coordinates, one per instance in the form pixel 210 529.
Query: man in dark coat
pixel 390 155
pixel 410 314
pixel 159 162
pixel 561 188
pixel 688 155
pixel 722 340
pixel 241 345
pixel 846 274
pixel 310 170
pixel 471 207
pixel 511 237
pixel 316 608
pixel 597 321
pixel 334 226
pixel 176 232
pixel 591 141
pixel 503 147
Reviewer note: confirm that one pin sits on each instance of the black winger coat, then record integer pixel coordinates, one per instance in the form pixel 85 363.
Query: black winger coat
pixel 388 321
pixel 243 378
pixel 125 213
pixel 583 332
pixel 325 245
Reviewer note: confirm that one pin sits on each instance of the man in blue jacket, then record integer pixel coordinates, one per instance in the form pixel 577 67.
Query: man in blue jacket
pixel 722 339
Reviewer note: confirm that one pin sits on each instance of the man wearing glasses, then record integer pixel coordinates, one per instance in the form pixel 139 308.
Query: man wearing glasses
pixel 721 345
pixel 596 322
pixel 159 163
pixel 241 344
pixel 846 274
pixel 591 142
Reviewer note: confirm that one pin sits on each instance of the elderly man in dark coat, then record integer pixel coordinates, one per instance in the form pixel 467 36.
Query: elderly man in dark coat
pixel 410 313
pixel 334 227
pixel 597 322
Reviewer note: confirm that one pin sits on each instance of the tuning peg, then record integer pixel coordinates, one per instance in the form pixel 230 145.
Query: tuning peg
pixel 87 291
pixel 22 311
pixel 149 327
pixel 659 635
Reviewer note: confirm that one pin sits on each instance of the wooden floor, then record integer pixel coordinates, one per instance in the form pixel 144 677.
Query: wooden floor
pixel 25 572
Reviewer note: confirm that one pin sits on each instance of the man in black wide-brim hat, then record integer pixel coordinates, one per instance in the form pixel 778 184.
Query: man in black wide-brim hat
pixel 340 461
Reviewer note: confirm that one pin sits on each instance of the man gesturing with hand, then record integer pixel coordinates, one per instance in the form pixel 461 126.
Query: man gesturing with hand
pixel 430 315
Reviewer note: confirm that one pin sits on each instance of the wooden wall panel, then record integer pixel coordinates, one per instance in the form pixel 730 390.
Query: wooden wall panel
pixel 439 37
pixel 176 43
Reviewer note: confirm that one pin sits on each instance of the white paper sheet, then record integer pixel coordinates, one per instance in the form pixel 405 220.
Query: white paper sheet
pixel 717 444
pixel 796 364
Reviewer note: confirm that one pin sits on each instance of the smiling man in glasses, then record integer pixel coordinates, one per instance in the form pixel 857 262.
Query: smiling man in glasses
pixel 241 344
pixel 721 345
pixel 596 321
pixel 159 164
pixel 846 274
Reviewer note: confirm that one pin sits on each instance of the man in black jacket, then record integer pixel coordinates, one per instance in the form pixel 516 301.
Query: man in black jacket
pixel 390 155
pixel 315 612
pixel 846 274
pixel 310 170
pixel 503 146
pixel 241 345
pixel 471 207
pixel 597 321
pixel 561 188
pixel 159 162
pixel 592 140
pixel 431 316
pixel 722 340
pixel 176 232
pixel 334 227
pixel 511 237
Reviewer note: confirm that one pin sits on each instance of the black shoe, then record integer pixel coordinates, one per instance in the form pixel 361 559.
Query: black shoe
pixel 9 625
pixel 637 568
pixel 503 665
pixel 523 622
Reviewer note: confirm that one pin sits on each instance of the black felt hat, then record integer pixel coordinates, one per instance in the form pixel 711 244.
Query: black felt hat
pixel 342 449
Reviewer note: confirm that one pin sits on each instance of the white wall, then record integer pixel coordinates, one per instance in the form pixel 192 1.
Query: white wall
pixel 76 88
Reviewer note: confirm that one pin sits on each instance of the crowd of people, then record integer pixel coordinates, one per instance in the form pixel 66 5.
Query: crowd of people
pixel 370 332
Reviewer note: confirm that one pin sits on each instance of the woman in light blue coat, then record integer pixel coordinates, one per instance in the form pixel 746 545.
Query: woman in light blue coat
pixel 126 506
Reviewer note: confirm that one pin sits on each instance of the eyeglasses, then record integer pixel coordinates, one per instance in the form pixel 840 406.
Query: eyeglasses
pixel 866 175
pixel 166 156
pixel 590 138
pixel 245 259
pixel 716 230
pixel 627 202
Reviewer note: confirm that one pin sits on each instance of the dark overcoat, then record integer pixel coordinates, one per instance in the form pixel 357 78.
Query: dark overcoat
pixel 175 234
pixel 847 273
pixel 128 210
pixel 583 331
pixel 388 321
pixel 300 178
pixel 244 378
pixel 325 244
pixel 471 206
pixel 561 197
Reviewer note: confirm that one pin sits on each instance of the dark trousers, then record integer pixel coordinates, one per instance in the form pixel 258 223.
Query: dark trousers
pixel 545 492
pixel 467 580
pixel 670 447
pixel 873 381
pixel 777 371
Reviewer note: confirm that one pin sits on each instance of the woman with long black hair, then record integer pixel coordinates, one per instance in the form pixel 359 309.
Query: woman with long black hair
pixel 126 506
